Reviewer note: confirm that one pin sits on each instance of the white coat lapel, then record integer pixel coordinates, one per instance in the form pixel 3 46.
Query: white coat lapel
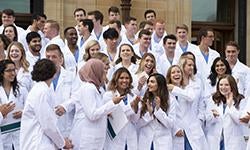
pixel 3 96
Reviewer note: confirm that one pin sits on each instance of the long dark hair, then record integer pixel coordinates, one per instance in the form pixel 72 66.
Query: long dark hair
pixel 237 97
pixel 15 31
pixel 14 84
pixel 213 74
pixel 162 92
pixel 134 58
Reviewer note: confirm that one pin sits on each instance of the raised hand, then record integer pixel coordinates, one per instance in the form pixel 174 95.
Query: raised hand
pixel 157 102
pixel 117 99
pixel 134 104
pixel 6 108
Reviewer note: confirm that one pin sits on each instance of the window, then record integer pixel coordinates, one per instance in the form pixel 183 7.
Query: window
pixel 19 6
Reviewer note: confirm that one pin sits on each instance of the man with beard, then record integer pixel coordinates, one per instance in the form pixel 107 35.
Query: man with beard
pixel 33 54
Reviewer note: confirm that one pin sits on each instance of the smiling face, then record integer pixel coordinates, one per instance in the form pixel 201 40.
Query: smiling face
pixel 7 19
pixel 181 35
pixel 188 68
pixel 145 41
pixel 170 45
pixel 176 76
pixel 148 64
pixel 220 68
pixel 125 52
pixel 123 82
pixel 35 45
pixel 93 50
pixel 224 87
pixel 15 53
pixel 152 84
pixel 10 33
pixel 9 73
pixel 159 29
pixel 231 53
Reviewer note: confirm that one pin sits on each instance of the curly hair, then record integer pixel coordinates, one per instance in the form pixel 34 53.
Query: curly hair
pixel 43 70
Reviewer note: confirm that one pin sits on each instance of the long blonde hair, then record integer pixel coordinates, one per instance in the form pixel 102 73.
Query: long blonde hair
pixel 23 61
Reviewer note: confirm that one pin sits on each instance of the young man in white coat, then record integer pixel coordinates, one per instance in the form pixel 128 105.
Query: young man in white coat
pixel 204 54
pixel 183 45
pixel 52 32
pixel 168 58
pixel 239 70
pixel 61 86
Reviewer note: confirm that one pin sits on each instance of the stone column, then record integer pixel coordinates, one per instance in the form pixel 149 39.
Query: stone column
pixel 125 9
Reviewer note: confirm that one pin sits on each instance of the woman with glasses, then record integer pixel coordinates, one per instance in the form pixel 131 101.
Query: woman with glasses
pixel 12 93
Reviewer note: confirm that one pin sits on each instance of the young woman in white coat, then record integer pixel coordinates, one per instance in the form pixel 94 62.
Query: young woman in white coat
pixel 10 91
pixel 16 53
pixel 223 117
pixel 187 94
pixel 126 58
pixel 90 122
pixel 146 67
pixel 219 68
pixel 39 122
pixel 157 115
pixel 121 85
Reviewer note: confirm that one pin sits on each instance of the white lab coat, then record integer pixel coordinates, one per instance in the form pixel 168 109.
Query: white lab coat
pixel 38 125
pixel 240 72
pixel 24 79
pixel 228 122
pixel 13 137
pixel 31 59
pixel 136 82
pixel 69 60
pixel 20 30
pixel 100 39
pixel 90 122
pixel 204 68
pixel 128 135
pixel 157 129
pixel 132 69
pixel 62 95
pixel 190 48
pixel 157 48
pixel 162 64
pixel 82 48
pixel 187 116
pixel 136 48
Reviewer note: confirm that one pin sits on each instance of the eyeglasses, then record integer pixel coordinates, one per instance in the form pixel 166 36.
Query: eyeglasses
pixel 10 70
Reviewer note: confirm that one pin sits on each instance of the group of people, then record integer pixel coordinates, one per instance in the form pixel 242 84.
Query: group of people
pixel 116 87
